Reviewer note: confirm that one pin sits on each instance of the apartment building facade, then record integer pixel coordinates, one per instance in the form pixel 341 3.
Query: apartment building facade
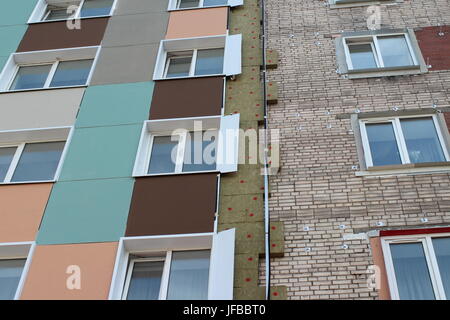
pixel 92 204
pixel 363 111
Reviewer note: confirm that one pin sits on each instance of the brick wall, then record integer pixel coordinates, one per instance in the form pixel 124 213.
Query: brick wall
pixel 434 43
pixel 317 186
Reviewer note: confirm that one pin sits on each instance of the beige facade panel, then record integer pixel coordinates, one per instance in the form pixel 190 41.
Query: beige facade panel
pixel 197 23
pixel 70 272
pixel 21 210
pixel 39 109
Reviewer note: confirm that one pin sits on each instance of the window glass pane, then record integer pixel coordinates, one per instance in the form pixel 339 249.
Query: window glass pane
pixel 209 61
pixel 71 73
pixel 411 272
pixel 208 3
pixel 10 273
pixel 58 14
pixel 199 155
pixel 422 140
pixel 161 155
pixel 395 51
pixel 442 250
pixel 383 145
pixel 6 156
pixel 362 56
pixel 145 280
pixel 179 67
pixel 31 77
pixel 38 162
pixel 188 4
pixel 189 274
pixel 92 8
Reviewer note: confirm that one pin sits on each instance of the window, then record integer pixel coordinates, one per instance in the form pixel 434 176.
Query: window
pixel 58 74
pixel 45 69
pixel 188 145
pixel 10 274
pixel 381 51
pixel 408 140
pixel 14 264
pixel 29 162
pixel 178 275
pixel 368 54
pixel 195 63
pixel 47 10
pixel 191 151
pixel 197 57
pixel 176 267
pixel 418 266
pixel 191 4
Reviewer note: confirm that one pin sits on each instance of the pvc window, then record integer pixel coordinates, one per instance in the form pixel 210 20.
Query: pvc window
pixel 379 51
pixel 15 259
pixel 418 266
pixel 194 63
pixel 177 275
pixel 186 152
pixel 396 141
pixel 50 10
pixel 57 74
pixel 188 145
pixel 199 57
pixel 10 274
pixel 30 162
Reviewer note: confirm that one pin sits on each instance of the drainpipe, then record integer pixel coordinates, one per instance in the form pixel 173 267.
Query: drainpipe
pixel 266 151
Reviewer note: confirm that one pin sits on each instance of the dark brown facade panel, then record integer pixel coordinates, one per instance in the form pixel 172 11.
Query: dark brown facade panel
pixel 184 98
pixel 173 205
pixel 56 35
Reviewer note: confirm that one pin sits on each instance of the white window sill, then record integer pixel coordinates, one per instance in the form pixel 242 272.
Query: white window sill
pixel 40 89
pixel 356 3
pixel 26 182
pixel 384 72
pixel 59 20
pixel 193 77
pixel 403 170
pixel 173 173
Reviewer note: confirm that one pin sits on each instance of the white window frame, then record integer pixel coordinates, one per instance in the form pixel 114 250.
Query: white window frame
pixel 167 259
pixel 399 137
pixel 18 250
pixel 232 58
pixel 51 74
pixel 193 63
pixel 376 49
pixel 29 136
pixel 432 264
pixel 181 152
pixel 227 144
pixel 41 12
pixel 46 57
pixel 221 266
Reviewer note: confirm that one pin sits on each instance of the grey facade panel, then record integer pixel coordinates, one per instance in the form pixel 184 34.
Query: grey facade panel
pixel 137 29
pixel 125 64
pixel 125 7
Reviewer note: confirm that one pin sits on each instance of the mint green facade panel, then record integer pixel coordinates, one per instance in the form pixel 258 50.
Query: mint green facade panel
pixel 16 11
pixel 107 105
pixel 10 38
pixel 101 152
pixel 86 211
pixel 3 62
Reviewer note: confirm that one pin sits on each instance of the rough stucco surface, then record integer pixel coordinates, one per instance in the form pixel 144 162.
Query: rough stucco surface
pixel 316 186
